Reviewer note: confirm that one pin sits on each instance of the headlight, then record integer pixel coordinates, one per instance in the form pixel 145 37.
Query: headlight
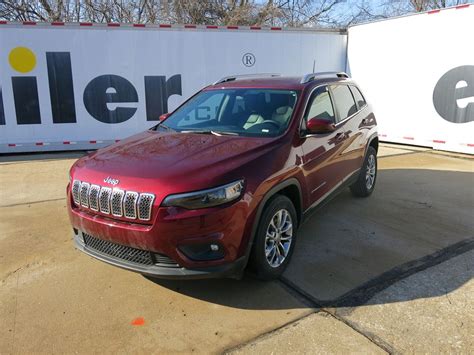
pixel 206 198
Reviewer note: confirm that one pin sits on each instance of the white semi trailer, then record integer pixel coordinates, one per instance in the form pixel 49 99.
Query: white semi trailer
pixel 82 86
pixel 418 73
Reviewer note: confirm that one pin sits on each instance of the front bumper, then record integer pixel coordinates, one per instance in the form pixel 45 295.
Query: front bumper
pixel 232 270
pixel 177 233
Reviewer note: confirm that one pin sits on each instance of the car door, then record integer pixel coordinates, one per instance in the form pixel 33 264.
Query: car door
pixel 349 119
pixel 321 152
pixel 365 121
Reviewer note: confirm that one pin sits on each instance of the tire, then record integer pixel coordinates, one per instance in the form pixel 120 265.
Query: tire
pixel 271 267
pixel 365 183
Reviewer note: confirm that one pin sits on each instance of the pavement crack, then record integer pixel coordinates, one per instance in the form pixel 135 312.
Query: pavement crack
pixel 449 155
pixel 397 155
pixel 447 296
pixel 362 294
pixel 11 273
pixel 16 308
pixel 374 339
pixel 308 299
pixel 268 333
pixel 33 202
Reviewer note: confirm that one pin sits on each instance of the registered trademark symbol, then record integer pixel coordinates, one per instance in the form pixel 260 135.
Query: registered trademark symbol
pixel 248 59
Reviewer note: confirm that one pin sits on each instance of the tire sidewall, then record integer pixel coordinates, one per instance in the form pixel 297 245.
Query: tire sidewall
pixel 370 151
pixel 259 261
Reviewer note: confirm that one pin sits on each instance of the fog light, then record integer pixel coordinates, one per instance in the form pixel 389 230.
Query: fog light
pixel 203 252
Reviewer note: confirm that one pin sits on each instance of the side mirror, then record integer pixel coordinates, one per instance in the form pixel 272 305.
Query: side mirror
pixel 320 125
pixel 164 116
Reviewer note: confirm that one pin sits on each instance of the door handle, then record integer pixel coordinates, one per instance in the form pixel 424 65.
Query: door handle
pixel 340 136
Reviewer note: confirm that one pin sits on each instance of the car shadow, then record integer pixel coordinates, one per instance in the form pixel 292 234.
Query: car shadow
pixel 351 249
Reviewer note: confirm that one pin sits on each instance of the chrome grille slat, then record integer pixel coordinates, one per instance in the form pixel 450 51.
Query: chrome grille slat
pixel 76 187
pixel 107 200
pixel 85 194
pixel 94 197
pixel 104 199
pixel 130 204
pixel 145 204
pixel 116 202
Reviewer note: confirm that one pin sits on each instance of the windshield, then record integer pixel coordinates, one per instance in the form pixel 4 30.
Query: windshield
pixel 244 112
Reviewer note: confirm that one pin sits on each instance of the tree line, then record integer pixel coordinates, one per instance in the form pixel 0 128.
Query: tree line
pixel 287 13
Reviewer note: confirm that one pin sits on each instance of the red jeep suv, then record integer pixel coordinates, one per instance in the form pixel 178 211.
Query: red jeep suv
pixel 225 180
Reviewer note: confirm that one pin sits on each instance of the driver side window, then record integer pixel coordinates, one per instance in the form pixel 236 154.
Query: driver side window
pixel 320 105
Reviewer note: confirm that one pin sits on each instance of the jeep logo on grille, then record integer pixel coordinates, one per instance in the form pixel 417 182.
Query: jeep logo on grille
pixel 111 181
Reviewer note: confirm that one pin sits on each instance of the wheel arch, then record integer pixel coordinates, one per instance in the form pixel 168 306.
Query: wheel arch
pixel 290 188
pixel 373 142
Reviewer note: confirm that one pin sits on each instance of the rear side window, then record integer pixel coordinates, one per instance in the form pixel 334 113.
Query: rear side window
pixel 359 99
pixel 320 105
pixel 344 101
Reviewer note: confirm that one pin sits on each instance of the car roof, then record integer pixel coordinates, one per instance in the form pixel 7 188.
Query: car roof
pixel 276 82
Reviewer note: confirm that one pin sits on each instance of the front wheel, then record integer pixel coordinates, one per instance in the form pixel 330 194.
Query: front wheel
pixel 365 184
pixel 275 239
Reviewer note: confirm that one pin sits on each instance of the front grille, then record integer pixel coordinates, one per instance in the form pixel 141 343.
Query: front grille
pixel 126 253
pixel 119 203
pixel 118 251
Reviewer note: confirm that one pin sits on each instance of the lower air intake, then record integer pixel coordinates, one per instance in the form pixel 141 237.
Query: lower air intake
pixel 126 253
pixel 118 251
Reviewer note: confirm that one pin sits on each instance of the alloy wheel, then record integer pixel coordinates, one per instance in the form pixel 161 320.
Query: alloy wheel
pixel 278 238
pixel 370 172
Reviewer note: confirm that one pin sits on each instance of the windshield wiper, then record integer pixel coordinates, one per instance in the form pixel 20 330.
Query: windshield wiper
pixel 224 133
pixel 210 131
pixel 161 125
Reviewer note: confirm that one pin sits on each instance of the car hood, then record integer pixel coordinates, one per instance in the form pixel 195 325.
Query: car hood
pixel 172 161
